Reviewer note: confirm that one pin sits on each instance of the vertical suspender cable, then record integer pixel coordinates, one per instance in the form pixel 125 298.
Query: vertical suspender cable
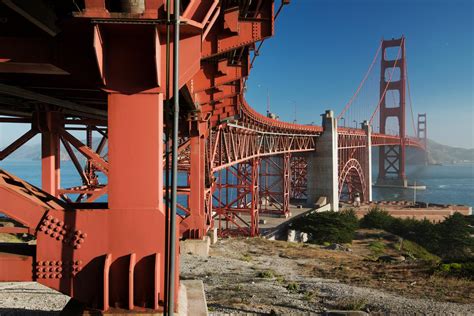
pixel 174 159
pixel 167 158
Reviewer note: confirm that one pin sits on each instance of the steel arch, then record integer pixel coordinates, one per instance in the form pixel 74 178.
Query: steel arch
pixel 350 169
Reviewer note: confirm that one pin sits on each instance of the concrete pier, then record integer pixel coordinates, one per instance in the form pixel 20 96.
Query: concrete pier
pixel 368 172
pixel 323 165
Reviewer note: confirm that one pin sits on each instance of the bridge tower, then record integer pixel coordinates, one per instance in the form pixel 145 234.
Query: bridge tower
pixel 392 157
pixel 422 135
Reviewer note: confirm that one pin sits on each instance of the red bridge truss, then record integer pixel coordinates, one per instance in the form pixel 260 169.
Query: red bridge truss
pixel 94 78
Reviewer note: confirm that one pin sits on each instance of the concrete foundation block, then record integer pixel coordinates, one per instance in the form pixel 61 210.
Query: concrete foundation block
pixel 212 233
pixel 195 298
pixel 199 247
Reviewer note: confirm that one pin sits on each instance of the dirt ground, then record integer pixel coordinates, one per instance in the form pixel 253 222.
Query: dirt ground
pixel 261 276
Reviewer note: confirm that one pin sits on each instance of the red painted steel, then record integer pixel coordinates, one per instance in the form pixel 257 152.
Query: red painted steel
pixel 392 157
pixel 275 185
pixel 299 177
pixel 236 200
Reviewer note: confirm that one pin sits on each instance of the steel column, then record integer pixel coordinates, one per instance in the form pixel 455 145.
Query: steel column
pixel 49 123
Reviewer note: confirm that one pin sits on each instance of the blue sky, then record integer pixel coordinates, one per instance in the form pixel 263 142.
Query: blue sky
pixel 322 49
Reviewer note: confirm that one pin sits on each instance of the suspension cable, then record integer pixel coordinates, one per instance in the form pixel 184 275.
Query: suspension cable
pixel 409 97
pixel 361 83
pixel 389 81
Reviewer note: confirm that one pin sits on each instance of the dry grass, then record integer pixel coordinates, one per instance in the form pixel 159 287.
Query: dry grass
pixel 413 278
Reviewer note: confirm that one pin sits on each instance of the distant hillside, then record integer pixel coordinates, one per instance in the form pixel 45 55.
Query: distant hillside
pixel 438 153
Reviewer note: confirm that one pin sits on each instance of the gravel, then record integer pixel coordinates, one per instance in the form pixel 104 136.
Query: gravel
pixel 30 298
pixel 232 285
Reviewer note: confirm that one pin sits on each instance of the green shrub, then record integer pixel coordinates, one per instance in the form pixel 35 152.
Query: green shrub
pixel 328 227
pixel 267 274
pixel 376 218
pixel 455 237
pixel 416 251
pixel 377 247
pixel 450 239
pixel 293 287
pixel 455 269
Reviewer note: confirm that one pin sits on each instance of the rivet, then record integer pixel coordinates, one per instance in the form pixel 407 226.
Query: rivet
pixel 49 231
pixel 51 263
pixel 51 225
pixel 41 275
pixel 80 241
pixel 65 226
pixel 46 263
pixel 60 238
pixel 55 220
pixel 63 232
pixel 51 275
pixel 78 232
pixel 54 234
pixel 59 269
pixel 49 217
pixel 42 228
pixel 83 235
pixel 59 275
pixel 61 223
pixel 57 228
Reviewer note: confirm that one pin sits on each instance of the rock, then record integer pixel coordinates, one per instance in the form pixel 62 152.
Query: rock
pixel 338 247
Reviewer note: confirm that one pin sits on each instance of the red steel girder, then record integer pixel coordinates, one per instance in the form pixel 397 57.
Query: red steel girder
pixel 235 200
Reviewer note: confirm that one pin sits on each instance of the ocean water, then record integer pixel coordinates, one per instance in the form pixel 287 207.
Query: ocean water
pixel 447 184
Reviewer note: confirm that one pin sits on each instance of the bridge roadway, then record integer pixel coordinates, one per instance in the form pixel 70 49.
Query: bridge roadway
pixel 104 70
